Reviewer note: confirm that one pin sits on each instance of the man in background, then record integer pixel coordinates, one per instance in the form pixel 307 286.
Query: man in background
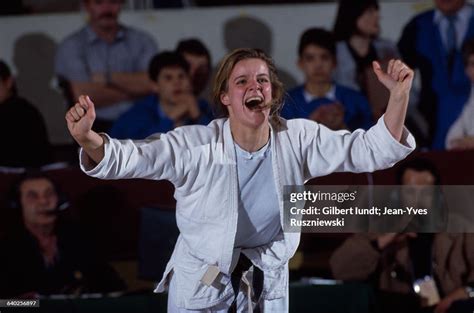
pixel 106 60
pixel 431 43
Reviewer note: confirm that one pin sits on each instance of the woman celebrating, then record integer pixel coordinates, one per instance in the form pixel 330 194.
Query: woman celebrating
pixel 229 178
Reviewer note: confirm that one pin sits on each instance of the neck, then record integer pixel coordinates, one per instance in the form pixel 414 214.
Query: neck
pixel 250 139
pixel 41 231
pixel 106 34
pixel 360 44
pixel 318 89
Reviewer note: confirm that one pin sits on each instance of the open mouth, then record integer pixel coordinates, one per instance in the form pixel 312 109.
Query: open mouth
pixel 254 103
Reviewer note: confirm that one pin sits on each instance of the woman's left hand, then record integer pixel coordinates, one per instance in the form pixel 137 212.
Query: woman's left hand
pixel 398 78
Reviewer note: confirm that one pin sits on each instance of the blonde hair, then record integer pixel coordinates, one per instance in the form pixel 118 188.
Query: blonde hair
pixel 221 80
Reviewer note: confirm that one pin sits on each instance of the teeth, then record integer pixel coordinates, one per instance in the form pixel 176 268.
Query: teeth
pixel 259 99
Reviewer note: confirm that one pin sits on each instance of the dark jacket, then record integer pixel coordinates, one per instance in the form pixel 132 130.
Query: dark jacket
pixel 77 269
pixel 24 138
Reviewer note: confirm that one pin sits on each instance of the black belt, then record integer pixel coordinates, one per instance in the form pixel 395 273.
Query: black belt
pixel 257 282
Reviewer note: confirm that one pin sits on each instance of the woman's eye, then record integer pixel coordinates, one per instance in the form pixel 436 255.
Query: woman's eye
pixel 241 82
pixel 263 80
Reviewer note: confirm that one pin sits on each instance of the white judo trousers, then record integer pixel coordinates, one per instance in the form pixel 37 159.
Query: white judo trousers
pixel 268 306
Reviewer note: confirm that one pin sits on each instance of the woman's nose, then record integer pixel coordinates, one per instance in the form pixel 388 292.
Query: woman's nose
pixel 255 85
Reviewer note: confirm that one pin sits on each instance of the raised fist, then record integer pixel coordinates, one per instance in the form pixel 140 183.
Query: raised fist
pixel 80 118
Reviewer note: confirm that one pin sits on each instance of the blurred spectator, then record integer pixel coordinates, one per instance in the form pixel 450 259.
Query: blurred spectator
pixel 431 43
pixel 107 61
pixel 461 134
pixel 173 104
pixel 395 261
pixel 24 135
pixel 319 98
pixel 43 253
pixel 199 59
pixel 357 29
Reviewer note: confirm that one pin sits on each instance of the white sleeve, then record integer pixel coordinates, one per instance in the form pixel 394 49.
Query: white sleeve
pixel 326 151
pixel 157 158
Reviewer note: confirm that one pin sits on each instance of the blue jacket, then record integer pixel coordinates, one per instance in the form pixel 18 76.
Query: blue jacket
pixel 357 110
pixel 443 93
pixel 145 118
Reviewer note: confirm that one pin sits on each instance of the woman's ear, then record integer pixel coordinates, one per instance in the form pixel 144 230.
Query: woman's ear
pixel 225 99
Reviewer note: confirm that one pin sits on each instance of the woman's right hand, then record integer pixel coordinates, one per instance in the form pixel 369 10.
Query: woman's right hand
pixel 80 119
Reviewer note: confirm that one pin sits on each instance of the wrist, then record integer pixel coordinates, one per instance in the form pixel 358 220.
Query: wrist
pixel 90 140
pixel 399 95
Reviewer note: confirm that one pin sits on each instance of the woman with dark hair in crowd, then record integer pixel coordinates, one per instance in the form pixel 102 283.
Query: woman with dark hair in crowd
pixel 357 29
pixel 229 178
pixel 44 253
pixel 23 132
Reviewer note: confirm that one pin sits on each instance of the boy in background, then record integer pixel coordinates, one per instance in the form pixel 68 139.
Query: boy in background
pixel 172 105
pixel 319 98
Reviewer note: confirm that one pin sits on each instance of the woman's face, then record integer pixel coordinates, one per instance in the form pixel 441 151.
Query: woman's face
pixel 38 200
pixel 249 93
pixel 368 23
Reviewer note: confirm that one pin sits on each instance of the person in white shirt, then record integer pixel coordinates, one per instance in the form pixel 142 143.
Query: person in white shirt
pixel 229 178
pixel 461 133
